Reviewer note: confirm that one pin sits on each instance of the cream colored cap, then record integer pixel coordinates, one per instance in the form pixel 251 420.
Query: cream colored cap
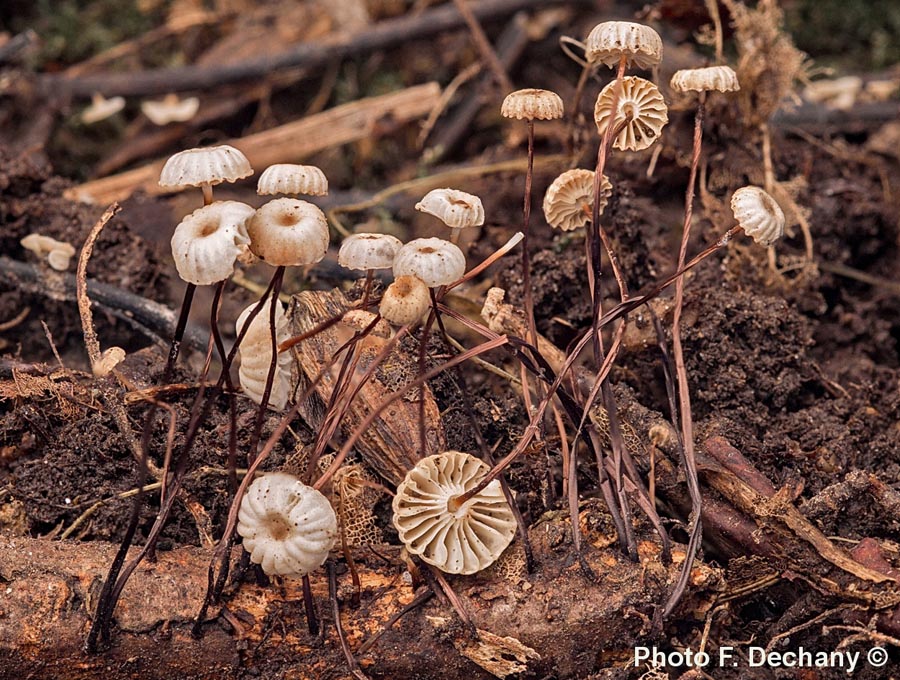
pixel 570 197
pixel 101 108
pixel 291 179
pixel 610 41
pixel 436 261
pixel 368 251
pixel 455 208
pixel 405 300
pixel 758 215
pixel 532 104
pixel 641 100
pixel 288 232
pixel 208 241
pixel 718 78
pixel 207 165
pixel 170 109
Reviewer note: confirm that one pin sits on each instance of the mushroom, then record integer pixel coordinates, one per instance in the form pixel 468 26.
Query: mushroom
pixel 718 78
pixel 433 260
pixel 641 108
pixel 292 180
pixel 287 232
pixel 616 42
pixel 170 109
pixel 569 198
pixel 405 300
pixel 288 528
pixel 58 253
pixel 207 242
pixel 457 209
pixel 461 541
pixel 256 355
pixel 532 104
pixel 367 252
pixel 757 213
pixel 101 108
pixel 204 167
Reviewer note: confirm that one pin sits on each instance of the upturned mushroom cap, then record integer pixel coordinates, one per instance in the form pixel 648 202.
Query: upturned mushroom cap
pixel 569 199
pixel 532 104
pixel 288 527
pixel 718 78
pixel 170 109
pixel 461 542
pixel 455 208
pixel 608 42
pixel 405 300
pixel 101 108
pixel 435 261
pixel 639 101
pixel 288 232
pixel 368 251
pixel 255 353
pixel 207 165
pixel 208 241
pixel 292 180
pixel 758 215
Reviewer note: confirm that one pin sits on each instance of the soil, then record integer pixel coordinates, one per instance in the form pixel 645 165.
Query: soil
pixel 798 370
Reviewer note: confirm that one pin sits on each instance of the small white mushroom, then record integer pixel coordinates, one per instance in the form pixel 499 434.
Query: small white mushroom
pixel 570 199
pixel 365 252
pixel 457 209
pixel 207 242
pixel 170 109
pixel 608 42
pixel 532 104
pixel 435 261
pixel 463 541
pixel 255 355
pixel 640 106
pixel 101 108
pixel 758 215
pixel 288 528
pixel 58 253
pixel 405 300
pixel 204 167
pixel 292 180
pixel 717 78
pixel 288 232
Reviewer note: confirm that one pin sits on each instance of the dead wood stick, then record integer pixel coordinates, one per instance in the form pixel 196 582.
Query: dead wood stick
pixel 290 142
pixel 311 54
pixel 484 46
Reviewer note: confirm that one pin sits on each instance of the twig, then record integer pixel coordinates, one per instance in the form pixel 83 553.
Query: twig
pixel 484 46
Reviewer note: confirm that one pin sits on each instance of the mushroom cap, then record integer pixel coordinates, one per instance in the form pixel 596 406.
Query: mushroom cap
pixel 288 232
pixel 207 242
pixel 101 108
pixel 461 542
pixel 455 208
pixel 758 215
pixel 368 251
pixel 206 165
pixel 255 354
pixel 718 78
pixel 291 179
pixel 288 528
pixel 640 99
pixel 170 109
pixel 532 104
pixel 608 42
pixel 570 197
pixel 435 261
pixel 405 300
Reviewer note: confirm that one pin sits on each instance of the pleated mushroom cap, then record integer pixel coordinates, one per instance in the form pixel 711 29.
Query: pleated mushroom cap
pixel 288 232
pixel 368 251
pixel 455 208
pixel 170 109
pixel 101 108
pixel 710 78
pixel 288 528
pixel 292 180
pixel 608 42
pixel 207 242
pixel 532 104
pixel 570 197
pixel 640 100
pixel 405 300
pixel 207 165
pixel 461 542
pixel 255 355
pixel 435 261
pixel 758 215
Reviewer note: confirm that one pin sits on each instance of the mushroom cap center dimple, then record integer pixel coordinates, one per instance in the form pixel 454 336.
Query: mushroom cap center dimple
pixel 208 229
pixel 427 250
pixel 287 219
pixel 279 527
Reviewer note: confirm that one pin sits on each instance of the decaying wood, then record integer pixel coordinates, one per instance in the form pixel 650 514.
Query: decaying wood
pixel 553 621
pixel 391 446
pixel 286 143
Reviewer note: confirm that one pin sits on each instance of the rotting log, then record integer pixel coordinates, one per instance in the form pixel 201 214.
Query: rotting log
pixel 286 143
pixel 557 620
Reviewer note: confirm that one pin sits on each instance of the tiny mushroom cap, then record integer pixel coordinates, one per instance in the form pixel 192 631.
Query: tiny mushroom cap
pixel 455 208
pixel 208 241
pixel 288 232
pixel 640 105
pixel 608 42
pixel 101 108
pixel 204 166
pixel 532 104
pixel 288 528
pixel 368 251
pixel 58 253
pixel 570 198
pixel 255 354
pixel 758 215
pixel 435 261
pixel 464 541
pixel 290 179
pixel 718 78
pixel 170 109
pixel 405 300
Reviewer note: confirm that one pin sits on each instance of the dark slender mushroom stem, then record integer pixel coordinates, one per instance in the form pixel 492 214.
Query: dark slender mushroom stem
pixel 312 620
pixel 684 395
pixel 336 613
